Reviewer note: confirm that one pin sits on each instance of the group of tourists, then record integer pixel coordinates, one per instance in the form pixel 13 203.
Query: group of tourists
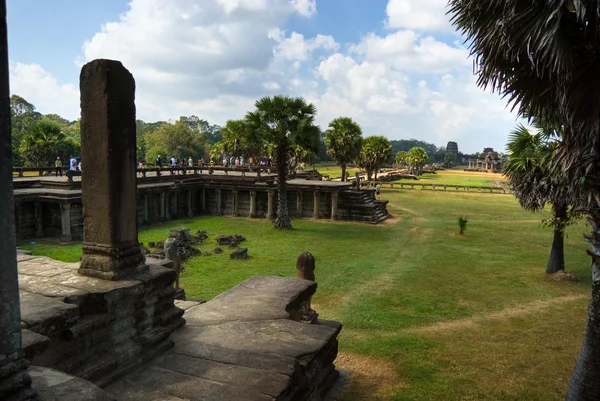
pixel 74 165
pixel 180 162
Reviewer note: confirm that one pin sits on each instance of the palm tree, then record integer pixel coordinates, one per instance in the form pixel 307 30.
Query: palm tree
pixel 417 157
pixel 344 141
pixel 41 144
pixel 543 57
pixel 536 182
pixel 285 123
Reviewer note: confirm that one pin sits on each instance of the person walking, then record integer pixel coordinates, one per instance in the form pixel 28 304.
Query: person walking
pixel 158 162
pixel 378 191
pixel 58 166
pixel 190 162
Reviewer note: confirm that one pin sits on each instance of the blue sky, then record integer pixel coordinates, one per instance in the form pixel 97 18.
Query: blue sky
pixel 395 66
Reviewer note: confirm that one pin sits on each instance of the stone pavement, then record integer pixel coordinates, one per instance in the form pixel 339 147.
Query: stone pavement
pixel 243 345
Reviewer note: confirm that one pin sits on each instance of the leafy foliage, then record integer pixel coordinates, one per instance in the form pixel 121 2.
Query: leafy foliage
pixel 401 158
pixel 375 153
pixel 174 140
pixel 43 142
pixel 344 141
pixel 417 158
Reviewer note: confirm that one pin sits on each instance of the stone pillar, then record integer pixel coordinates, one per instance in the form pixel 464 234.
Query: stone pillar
pixel 168 206
pixel 219 202
pixel 163 202
pixel 65 219
pixel 190 209
pixel 14 380
pixel 175 204
pixel 270 214
pixel 317 197
pixel 146 201
pixel 334 205
pixel 299 203
pixel 108 184
pixel 39 220
pixel 235 203
pixel 252 204
pixel 203 200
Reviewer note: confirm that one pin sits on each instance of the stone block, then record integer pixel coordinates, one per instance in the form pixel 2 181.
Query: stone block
pixel 46 315
pixel 52 385
pixel 240 253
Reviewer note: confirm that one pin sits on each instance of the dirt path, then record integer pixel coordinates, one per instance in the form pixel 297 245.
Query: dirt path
pixel 520 310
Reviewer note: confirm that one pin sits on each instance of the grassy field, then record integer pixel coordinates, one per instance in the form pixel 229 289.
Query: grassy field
pixel 458 177
pixel 333 171
pixel 428 314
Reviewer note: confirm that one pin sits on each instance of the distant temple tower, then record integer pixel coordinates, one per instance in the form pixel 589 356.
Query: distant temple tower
pixel 452 148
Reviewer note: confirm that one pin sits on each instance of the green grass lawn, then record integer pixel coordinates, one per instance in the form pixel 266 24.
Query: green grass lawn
pixel 428 314
pixel 458 177
pixel 334 171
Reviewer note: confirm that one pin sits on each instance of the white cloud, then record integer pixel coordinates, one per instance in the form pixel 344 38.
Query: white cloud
pixel 214 58
pixel 40 88
pixel 426 15
pixel 407 51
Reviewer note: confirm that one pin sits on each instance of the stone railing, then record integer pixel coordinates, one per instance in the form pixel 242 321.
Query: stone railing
pixel 437 187
pixel 158 171
pixel 39 170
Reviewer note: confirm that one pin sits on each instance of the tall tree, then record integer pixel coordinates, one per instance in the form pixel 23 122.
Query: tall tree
pixel 344 141
pixel 535 182
pixel 285 123
pixel 173 140
pixel 43 142
pixel 238 140
pixel 375 153
pixel 401 158
pixel 23 116
pixel 417 158
pixel 542 56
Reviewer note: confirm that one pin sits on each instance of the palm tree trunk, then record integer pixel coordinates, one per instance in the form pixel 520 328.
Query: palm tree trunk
pixel 369 172
pixel 584 384
pixel 282 221
pixel 557 254
pixel 343 172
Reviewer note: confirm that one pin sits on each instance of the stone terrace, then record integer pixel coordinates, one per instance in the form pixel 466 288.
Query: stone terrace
pixel 243 344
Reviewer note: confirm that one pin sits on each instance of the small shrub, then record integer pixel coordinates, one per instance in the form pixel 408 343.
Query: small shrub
pixel 462 224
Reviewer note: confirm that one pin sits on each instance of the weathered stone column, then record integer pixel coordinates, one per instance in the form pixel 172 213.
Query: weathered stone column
pixel 108 184
pixel 235 203
pixel 334 205
pixel 317 197
pixel 190 209
pixel 219 202
pixel 163 200
pixel 39 220
pixel 175 204
pixel 146 202
pixel 14 380
pixel 65 220
pixel 252 213
pixel 203 200
pixel 270 214
pixel 299 203
pixel 168 206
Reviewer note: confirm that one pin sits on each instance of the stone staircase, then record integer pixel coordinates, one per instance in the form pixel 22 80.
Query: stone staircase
pixel 362 206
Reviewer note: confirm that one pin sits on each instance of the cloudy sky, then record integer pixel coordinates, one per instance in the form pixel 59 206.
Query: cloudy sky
pixel 395 66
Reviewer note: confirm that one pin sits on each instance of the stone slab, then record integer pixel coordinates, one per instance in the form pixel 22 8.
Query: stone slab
pixel 280 337
pixel 157 384
pixel 46 315
pixel 53 385
pixel 33 343
pixel 263 381
pixel 258 298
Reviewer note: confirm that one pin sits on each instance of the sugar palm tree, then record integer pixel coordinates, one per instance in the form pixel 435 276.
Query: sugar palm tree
pixel 535 182
pixel 344 141
pixel 285 123
pixel 543 57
